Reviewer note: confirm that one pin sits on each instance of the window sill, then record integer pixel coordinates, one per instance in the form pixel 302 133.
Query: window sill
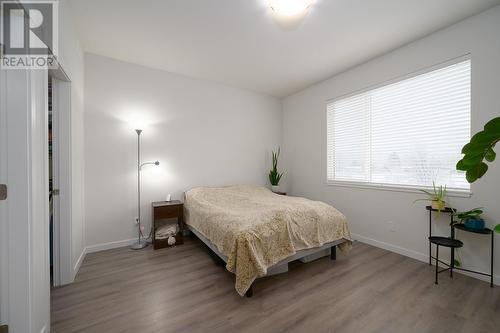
pixel 398 188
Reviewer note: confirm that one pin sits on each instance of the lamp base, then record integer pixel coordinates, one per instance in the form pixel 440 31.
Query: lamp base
pixel 139 245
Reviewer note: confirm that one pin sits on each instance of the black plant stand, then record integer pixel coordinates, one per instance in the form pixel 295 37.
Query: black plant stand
pixel 485 231
pixel 454 225
pixel 446 210
pixel 446 242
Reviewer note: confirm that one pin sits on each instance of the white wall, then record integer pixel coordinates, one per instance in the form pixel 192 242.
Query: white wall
pixel 368 211
pixel 72 60
pixel 202 133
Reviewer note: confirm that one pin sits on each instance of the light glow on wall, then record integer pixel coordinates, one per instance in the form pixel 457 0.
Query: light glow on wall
pixel 137 120
pixel 290 7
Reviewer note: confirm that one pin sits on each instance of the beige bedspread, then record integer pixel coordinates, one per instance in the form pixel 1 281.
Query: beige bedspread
pixel 256 228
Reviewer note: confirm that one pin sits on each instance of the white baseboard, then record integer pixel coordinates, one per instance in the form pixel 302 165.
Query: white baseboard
pixel 393 248
pixel 110 245
pixel 76 268
pixel 416 255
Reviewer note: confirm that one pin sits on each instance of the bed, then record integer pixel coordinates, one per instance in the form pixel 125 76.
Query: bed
pixel 256 232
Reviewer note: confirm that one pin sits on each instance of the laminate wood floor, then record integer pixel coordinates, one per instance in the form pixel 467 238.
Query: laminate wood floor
pixel 180 289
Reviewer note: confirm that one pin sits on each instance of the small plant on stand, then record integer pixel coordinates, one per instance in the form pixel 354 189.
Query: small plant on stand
pixel 471 218
pixel 274 175
pixel 437 197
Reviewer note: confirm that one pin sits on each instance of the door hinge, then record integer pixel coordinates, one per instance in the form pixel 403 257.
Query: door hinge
pixel 3 195
pixel 4 328
pixel 55 192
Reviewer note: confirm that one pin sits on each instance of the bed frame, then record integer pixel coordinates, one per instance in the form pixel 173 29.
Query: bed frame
pixel 305 256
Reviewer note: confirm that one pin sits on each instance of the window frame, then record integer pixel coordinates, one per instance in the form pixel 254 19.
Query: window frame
pixel 465 193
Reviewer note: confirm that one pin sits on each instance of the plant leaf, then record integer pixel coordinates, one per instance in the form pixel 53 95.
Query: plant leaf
pixel 497 228
pixel 490 155
pixel 493 125
pixel 471 175
pixel 461 166
pixel 470 160
pixel 457 263
pixel 427 192
pixel 481 169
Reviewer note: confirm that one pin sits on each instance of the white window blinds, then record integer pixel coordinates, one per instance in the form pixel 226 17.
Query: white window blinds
pixel 409 133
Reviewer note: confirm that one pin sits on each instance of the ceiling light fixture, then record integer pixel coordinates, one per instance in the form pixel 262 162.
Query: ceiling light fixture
pixel 290 7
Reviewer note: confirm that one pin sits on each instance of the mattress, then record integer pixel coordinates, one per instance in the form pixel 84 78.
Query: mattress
pixel 256 228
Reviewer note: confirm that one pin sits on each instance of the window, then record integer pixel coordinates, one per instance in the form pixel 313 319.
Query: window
pixel 405 134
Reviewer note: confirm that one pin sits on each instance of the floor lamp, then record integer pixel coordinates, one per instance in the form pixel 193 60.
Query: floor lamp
pixel 141 243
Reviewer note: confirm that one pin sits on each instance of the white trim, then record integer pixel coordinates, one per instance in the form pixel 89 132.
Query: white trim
pixel 98 248
pixel 393 248
pixel 109 245
pixel 397 188
pixel 4 224
pixel 417 255
pixel 79 262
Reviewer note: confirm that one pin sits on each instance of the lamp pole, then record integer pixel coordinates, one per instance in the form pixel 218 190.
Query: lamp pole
pixel 140 244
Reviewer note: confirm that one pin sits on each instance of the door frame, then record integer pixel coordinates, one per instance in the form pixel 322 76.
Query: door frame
pixel 24 232
pixel 63 272
pixel 24 216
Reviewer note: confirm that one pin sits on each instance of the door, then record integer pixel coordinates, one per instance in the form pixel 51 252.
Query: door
pixel 61 178
pixel 24 252
pixel 54 186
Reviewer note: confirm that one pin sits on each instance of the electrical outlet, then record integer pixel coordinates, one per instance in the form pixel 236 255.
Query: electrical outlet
pixel 392 226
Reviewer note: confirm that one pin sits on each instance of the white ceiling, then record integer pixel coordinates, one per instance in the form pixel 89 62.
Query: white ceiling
pixel 237 42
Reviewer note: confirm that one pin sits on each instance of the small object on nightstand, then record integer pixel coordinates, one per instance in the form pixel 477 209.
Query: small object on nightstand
pixel 169 197
pixel 167 210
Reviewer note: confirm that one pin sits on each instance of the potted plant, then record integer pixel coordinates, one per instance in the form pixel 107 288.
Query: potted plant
pixel 274 175
pixel 437 197
pixel 471 218
pixel 480 148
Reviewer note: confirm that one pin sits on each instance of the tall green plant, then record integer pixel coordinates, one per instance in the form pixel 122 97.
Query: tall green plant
pixel 480 148
pixel 274 175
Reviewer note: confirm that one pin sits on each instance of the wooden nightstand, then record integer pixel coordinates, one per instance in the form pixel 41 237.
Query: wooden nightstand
pixel 166 210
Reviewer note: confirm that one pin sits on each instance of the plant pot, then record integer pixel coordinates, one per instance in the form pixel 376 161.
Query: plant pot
pixel 275 188
pixel 438 205
pixel 474 224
